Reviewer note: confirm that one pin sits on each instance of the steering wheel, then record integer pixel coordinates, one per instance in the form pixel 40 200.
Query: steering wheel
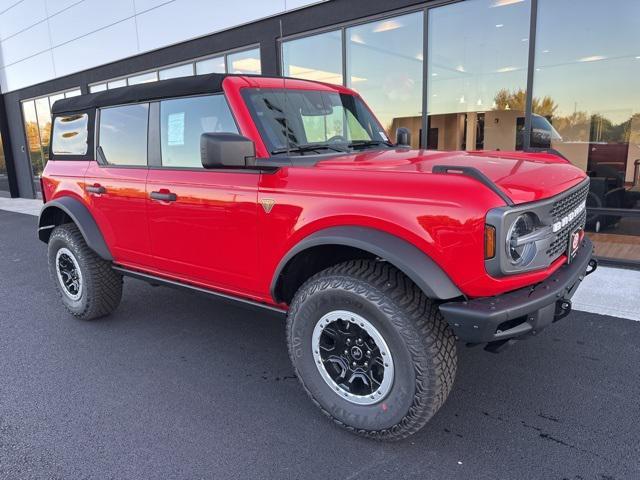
pixel 337 139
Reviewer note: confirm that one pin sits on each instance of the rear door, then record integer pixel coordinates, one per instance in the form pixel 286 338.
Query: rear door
pixel 116 182
pixel 202 222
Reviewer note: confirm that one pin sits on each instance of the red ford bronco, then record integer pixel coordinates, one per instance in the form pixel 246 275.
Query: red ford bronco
pixel 288 195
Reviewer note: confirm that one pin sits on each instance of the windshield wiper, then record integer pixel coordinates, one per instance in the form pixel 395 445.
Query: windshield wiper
pixel 368 143
pixel 308 147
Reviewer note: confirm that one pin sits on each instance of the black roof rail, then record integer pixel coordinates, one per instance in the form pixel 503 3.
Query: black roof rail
pixel 474 173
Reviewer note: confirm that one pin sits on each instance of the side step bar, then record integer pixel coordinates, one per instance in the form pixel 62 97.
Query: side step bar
pixel 155 280
pixel 474 173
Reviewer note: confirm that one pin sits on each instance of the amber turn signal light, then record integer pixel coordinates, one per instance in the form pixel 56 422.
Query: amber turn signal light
pixel 489 242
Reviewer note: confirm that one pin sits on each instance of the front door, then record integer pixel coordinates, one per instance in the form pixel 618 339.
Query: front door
pixel 202 223
pixel 115 183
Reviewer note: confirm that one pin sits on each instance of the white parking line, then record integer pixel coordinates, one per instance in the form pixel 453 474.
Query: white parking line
pixel 609 291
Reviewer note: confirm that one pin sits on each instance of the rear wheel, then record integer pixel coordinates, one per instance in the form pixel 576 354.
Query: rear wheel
pixel 370 349
pixel 87 284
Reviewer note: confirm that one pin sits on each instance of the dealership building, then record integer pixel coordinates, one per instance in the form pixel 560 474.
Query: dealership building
pixel 461 75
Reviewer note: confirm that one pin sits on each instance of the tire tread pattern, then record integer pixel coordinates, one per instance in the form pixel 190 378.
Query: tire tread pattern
pixel 429 338
pixel 103 285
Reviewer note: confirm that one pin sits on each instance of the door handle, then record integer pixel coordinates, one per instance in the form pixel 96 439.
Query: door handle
pixel 96 189
pixel 164 196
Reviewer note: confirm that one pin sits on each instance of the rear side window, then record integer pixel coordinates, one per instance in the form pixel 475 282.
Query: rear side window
pixel 70 135
pixel 184 120
pixel 123 134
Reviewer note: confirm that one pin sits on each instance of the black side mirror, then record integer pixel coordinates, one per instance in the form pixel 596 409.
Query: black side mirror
pixel 226 150
pixel 403 137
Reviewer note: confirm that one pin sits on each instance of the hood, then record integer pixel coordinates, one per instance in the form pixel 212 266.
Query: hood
pixel 523 177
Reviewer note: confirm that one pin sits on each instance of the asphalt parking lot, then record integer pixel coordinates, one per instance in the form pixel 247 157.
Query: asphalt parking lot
pixel 176 385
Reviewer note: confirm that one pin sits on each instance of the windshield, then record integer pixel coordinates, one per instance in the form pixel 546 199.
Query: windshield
pixel 306 122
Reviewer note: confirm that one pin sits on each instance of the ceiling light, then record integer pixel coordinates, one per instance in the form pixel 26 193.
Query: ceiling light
pixel 504 3
pixel 357 38
pixel 525 40
pixel 419 57
pixel 387 25
pixel 462 99
pixel 435 74
pixel 460 68
pixel 506 69
pixel 638 57
pixel 546 51
pixel 593 58
pixel 500 25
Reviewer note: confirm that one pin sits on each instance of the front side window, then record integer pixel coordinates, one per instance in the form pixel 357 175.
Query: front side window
pixel 184 120
pixel 123 134
pixel 304 121
pixel 70 135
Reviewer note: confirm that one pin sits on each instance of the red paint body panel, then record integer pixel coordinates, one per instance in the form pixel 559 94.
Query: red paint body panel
pixel 217 235
pixel 209 233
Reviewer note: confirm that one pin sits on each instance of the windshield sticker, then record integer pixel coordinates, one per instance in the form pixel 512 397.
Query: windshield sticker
pixel 175 129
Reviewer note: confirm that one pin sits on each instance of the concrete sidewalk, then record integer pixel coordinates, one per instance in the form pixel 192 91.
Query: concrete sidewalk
pixel 609 291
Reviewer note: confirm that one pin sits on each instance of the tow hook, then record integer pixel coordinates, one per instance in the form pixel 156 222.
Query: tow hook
pixel 563 308
pixel 593 265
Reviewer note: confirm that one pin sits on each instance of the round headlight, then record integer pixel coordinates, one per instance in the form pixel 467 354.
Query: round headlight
pixel 520 253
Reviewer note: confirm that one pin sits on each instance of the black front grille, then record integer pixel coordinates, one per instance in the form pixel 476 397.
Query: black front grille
pixel 560 208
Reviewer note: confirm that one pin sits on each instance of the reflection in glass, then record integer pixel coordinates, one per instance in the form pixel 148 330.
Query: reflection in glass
pixel 586 87
pixel 98 88
pixel 123 134
pixel 477 75
pixel 4 181
pixel 33 137
pixel 384 64
pixel 44 124
pixel 72 93
pixel 117 83
pixel 182 123
pixel 318 57
pixel 210 65
pixel 70 135
pixel 143 78
pixel 177 71
pixel 244 62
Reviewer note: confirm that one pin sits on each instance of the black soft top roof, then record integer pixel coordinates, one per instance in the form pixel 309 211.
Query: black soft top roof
pixel 175 87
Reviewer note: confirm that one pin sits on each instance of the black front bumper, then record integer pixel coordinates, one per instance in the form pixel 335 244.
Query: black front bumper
pixel 521 312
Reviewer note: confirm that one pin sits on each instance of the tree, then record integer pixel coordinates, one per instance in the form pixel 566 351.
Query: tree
pixel 517 100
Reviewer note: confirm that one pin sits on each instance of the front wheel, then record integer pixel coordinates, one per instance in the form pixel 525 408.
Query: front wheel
pixel 370 349
pixel 87 284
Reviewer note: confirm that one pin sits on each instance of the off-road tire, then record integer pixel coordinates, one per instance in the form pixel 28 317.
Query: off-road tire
pixel 422 344
pixel 101 285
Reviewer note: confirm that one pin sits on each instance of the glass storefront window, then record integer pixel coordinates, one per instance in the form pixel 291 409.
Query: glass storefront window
pixel 384 64
pixel 4 180
pixel 43 112
pixel 477 75
pixel 318 57
pixel 32 133
pixel 210 65
pixel 143 78
pixel 117 83
pixel 177 71
pixel 587 63
pixel 101 87
pixel 246 62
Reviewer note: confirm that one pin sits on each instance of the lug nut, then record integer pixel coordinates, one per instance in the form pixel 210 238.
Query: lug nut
pixel 354 364
pixel 359 341
pixel 366 364
pixel 348 341
pixel 368 353
pixel 346 352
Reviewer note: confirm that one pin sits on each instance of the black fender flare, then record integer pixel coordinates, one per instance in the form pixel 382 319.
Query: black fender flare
pixel 83 219
pixel 413 262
